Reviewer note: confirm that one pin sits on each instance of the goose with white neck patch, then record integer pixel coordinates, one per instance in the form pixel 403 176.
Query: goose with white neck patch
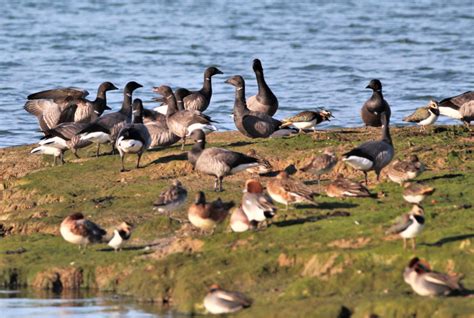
pixel 373 155
pixel 265 101
pixel 372 109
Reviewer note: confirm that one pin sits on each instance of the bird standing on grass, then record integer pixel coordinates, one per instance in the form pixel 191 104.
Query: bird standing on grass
pixel 424 116
pixel 409 225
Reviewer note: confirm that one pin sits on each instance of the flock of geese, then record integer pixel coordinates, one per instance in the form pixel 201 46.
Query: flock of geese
pixel 69 121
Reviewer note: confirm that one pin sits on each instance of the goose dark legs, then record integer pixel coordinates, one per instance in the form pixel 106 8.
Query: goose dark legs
pixel 183 143
pixel 138 160
pixel 366 180
pixel 122 157
pixel 218 184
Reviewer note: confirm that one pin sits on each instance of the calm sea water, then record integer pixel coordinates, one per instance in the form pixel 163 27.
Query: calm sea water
pixel 315 53
pixel 22 304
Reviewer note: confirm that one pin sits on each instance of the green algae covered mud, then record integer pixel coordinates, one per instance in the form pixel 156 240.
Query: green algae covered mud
pixel 324 260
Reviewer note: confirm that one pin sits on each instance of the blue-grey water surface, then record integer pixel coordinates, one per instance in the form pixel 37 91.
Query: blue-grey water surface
pixel 315 53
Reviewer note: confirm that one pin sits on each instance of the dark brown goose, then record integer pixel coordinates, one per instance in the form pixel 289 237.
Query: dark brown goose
pixel 458 107
pixel 64 136
pixel 100 130
pixel 372 109
pixel 198 100
pixel 56 106
pixel 180 121
pixel 265 101
pixel 217 162
pixel 250 123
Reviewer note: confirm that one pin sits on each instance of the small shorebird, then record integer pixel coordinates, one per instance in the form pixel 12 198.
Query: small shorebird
pixel 307 119
pixel 286 190
pixel 426 282
pixel 171 199
pixel 256 205
pixel 416 192
pixel 52 151
pixel 409 225
pixel 239 221
pixel 121 234
pixel 373 155
pixel 76 229
pixel 400 171
pixel 205 216
pixel 219 301
pixel 320 165
pixel 342 187
pixel 424 116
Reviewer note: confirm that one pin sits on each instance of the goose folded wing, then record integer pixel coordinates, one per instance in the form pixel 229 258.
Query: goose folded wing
pixel 458 100
pixel 232 158
pixel 258 125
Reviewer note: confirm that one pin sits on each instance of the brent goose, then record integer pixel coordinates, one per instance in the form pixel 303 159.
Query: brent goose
pixel 160 134
pixel 320 165
pixel 219 301
pixel 265 101
pixel 196 100
pixel 100 131
pixel 416 192
pixel 217 162
pixel 256 204
pixel 181 122
pixel 426 282
pixel 307 119
pixel 252 124
pixel 121 234
pixel 56 106
pixel 424 116
pixel 372 109
pixel 286 190
pixel 400 171
pixel 133 138
pixel 342 188
pixel 171 198
pixel 458 107
pixel 206 216
pixel 64 136
pixel 373 155
pixel 76 229
pixel 409 225
pixel 239 222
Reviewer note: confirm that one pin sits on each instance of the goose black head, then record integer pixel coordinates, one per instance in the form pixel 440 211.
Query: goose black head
pixel 163 90
pixel 375 85
pixel 236 80
pixel 211 71
pixel 257 65
pixel 131 86
pixel 198 135
pixel 107 86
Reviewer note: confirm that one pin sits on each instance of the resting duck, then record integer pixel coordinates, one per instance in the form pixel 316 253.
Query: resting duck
pixel 265 101
pixel 373 108
pixel 56 106
pixel 286 190
pixel 373 155
pixel 307 119
pixel 400 171
pixel 342 188
pixel 76 229
pixel 133 138
pixel 219 301
pixel 257 205
pixel 181 122
pixel 426 282
pixel 424 116
pixel 206 216
pixel 250 123
pixel 217 162
pixel 409 225
pixel 416 192
pixel 172 198
pixel 239 221
pixel 100 131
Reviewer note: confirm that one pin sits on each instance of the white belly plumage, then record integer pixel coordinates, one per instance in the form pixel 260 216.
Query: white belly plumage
pixel 414 198
pixel 116 240
pixel 97 137
pixel 239 226
pixel 73 238
pixel 253 212
pixel 205 224
pixel 450 112
pixel 413 230
pixel 55 142
pixel 129 145
pixel 47 150
pixel 359 163
pixel 428 121
pixel 304 124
